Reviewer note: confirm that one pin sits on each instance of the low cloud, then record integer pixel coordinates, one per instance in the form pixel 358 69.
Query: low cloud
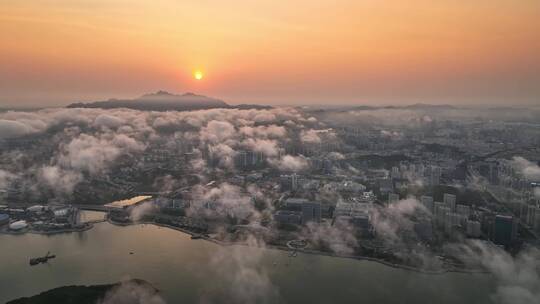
pixel 517 278
pixel 527 168
pixel 290 163
pixel 58 179
pixel 132 292
pixel 10 129
pixel 244 275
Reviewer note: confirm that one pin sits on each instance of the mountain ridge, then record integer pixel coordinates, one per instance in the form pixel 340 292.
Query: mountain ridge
pixel 158 101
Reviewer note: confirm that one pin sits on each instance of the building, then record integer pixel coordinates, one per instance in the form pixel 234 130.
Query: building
pixel 395 173
pixel 463 210
pixel 435 178
pixel 352 209
pixel 450 201
pixel 452 221
pixel 3 195
pixel 424 230
pixel 18 225
pixel 386 185
pixel 124 204
pixel 36 209
pixel 533 217
pixel 504 231
pixel 4 219
pixel 440 211
pixel 393 198
pixel 427 202
pixel 311 212
pixel 288 217
pixel 474 229
pixel 289 182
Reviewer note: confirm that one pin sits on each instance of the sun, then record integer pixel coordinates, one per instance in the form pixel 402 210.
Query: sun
pixel 198 75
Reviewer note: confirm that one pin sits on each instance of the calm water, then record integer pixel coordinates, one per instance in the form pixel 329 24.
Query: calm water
pixel 187 270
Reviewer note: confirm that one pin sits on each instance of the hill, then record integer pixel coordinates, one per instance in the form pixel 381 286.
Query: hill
pixel 159 101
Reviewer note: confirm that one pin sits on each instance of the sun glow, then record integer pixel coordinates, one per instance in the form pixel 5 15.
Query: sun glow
pixel 198 75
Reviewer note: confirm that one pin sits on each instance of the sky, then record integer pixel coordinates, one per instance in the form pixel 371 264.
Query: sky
pixel 321 52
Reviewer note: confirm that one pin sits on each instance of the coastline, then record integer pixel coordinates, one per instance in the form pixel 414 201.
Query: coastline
pixel 207 238
pixel 86 227
pixel 310 251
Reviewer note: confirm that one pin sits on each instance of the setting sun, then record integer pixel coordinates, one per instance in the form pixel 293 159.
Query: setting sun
pixel 198 75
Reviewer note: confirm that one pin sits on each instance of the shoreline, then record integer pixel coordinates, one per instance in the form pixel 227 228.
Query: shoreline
pixel 89 226
pixel 313 252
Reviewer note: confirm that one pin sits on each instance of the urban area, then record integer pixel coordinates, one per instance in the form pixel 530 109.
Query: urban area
pixel 401 186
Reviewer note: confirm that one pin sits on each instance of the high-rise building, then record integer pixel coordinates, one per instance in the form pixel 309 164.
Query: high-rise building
pixel 435 178
pixel 440 211
pixel 450 201
pixel 504 230
pixel 311 212
pixel 427 202
pixel 289 182
pixel 452 220
pixel 294 181
pixel 474 229
pixel 395 173
pixel 463 210
pixel 393 198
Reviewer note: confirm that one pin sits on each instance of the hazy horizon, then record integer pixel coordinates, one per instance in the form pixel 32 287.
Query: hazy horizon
pixel 316 52
pixel 276 103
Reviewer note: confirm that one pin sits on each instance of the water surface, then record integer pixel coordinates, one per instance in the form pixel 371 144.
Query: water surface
pixel 187 271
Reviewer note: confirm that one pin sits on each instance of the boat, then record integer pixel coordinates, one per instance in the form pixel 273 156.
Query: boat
pixel 43 259
pixel 196 236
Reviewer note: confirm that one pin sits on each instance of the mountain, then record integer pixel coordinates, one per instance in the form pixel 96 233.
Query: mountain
pixel 159 101
pixel 423 106
pixel 417 106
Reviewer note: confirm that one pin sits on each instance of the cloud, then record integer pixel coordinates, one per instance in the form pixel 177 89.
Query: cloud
pixel 132 292
pixel 517 278
pixel 387 221
pixel 223 201
pixel 310 136
pixel 6 178
pixel 139 211
pixel 335 156
pixel 271 131
pixel 60 180
pixel 93 154
pixel 525 167
pixel 290 163
pixel 224 153
pixel 9 129
pixel 109 121
pixel 339 238
pixel 244 275
pixel 217 131
pixel 264 116
pixel 266 146
pixel 87 143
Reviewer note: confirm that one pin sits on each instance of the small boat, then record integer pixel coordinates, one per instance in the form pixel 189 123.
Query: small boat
pixel 41 260
pixel 196 236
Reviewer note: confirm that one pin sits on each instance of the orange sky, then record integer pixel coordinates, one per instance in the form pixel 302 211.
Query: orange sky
pixel 268 51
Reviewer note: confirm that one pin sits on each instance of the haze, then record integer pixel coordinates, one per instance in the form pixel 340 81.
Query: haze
pixel 275 52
